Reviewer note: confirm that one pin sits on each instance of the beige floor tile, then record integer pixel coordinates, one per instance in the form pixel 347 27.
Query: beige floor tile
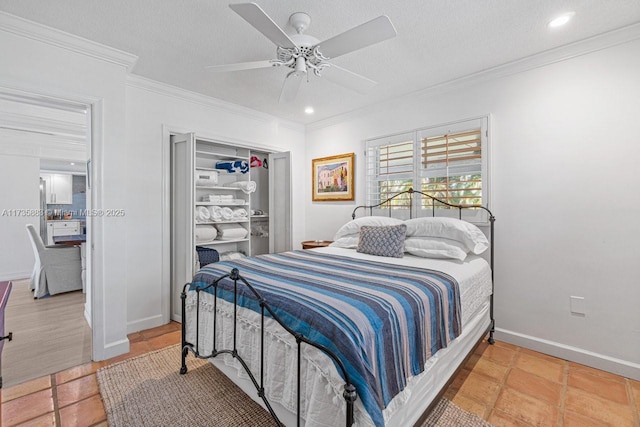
pixel 480 388
pixel 77 390
pixel 84 413
pixel 77 372
pixel 526 408
pixel 501 419
pixel 535 386
pixel 25 388
pixel 27 407
pixel 540 366
pixel 599 385
pixel 597 408
pixel 470 405
pixel 46 420
pixel 491 369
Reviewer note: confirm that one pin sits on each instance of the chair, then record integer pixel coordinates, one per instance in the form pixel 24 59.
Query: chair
pixel 57 268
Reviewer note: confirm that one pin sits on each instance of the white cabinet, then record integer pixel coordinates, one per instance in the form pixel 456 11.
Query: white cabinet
pixel 209 207
pixel 61 228
pixel 59 188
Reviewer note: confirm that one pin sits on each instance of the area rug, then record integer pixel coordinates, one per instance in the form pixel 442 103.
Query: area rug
pixel 149 391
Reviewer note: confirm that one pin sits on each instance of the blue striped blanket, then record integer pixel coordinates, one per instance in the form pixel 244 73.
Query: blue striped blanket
pixel 383 321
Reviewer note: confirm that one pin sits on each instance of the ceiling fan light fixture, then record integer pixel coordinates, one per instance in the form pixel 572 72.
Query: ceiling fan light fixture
pixel 301 66
pixel 560 20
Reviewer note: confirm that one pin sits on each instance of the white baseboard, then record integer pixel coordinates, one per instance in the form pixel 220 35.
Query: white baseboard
pixel 114 349
pixel 15 275
pixel 146 323
pixel 574 354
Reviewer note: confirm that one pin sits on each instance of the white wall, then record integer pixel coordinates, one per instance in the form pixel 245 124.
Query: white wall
pixel 564 161
pixel 19 204
pixel 54 64
pixel 149 106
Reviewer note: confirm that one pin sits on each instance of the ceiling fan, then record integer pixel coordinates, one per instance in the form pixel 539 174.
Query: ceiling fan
pixel 303 53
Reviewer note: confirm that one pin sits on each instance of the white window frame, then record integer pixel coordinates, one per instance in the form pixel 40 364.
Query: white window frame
pixel 477 216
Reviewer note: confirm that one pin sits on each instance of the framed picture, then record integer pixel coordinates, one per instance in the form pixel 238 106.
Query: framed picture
pixel 333 178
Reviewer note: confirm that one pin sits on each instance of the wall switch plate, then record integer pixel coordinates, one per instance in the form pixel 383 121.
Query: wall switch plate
pixel 578 305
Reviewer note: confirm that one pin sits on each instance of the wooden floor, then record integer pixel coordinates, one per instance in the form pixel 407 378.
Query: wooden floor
pixel 504 384
pixel 49 334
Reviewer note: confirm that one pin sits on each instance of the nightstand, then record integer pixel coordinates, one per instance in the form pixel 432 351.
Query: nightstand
pixel 310 244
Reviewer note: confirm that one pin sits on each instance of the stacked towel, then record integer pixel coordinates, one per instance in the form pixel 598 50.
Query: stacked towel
pixel 234 166
pixel 226 213
pixel 246 186
pixel 202 214
pixel 231 231
pixel 205 233
pixel 219 198
pixel 239 213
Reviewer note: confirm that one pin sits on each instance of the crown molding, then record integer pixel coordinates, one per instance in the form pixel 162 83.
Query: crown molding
pixel 548 57
pixel 35 31
pixel 57 128
pixel 209 102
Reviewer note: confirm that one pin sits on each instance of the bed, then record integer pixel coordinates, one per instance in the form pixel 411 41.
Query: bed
pixel 343 334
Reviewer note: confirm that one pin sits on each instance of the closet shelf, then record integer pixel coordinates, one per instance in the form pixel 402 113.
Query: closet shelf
pixel 231 221
pixel 220 204
pixel 220 156
pixel 217 187
pixel 220 242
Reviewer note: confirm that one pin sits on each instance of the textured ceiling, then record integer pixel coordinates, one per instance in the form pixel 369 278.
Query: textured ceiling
pixel 438 40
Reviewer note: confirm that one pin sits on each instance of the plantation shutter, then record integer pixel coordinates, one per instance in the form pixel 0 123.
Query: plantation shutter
pixel 451 163
pixel 390 167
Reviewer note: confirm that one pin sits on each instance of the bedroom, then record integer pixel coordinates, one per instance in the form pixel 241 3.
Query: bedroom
pixel 563 157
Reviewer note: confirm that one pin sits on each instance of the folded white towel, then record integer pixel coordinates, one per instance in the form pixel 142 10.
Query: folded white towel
pixel 226 213
pixel 231 231
pixel 215 213
pixel 246 186
pixel 205 233
pixel 239 213
pixel 202 214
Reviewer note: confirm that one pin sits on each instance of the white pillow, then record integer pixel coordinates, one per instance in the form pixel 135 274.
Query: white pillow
pixel 449 228
pixel 353 227
pixel 435 247
pixel 347 242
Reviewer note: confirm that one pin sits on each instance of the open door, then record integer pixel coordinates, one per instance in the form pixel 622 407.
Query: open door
pixel 182 233
pixel 280 202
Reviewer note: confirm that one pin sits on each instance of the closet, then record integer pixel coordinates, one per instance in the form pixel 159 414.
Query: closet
pixel 233 199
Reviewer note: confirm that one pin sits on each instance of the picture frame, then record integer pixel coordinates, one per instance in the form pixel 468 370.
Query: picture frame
pixel 333 178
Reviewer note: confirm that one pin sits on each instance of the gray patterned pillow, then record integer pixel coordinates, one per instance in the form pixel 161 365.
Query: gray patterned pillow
pixel 383 240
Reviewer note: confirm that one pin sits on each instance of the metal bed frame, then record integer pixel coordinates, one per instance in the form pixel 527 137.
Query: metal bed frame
pixel 349 393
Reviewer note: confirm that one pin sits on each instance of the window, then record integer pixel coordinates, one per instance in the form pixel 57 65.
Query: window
pixel 448 162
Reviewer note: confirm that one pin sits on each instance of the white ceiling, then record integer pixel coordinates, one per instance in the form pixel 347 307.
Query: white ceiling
pixel 438 40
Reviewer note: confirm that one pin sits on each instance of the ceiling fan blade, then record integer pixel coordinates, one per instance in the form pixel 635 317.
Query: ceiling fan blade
pixel 240 66
pixel 372 32
pixel 348 79
pixel 254 15
pixel 291 86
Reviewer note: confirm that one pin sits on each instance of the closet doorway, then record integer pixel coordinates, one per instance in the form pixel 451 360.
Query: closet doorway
pixel 45 151
pixel 231 198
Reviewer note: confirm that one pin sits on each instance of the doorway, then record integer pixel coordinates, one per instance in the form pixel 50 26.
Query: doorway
pixel 42 136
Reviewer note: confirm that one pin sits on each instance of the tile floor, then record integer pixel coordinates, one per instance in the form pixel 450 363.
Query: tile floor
pixel 504 384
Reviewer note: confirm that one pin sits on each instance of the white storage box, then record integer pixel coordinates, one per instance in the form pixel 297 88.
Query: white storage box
pixel 206 178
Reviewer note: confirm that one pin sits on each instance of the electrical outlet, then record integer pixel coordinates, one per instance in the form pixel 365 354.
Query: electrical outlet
pixel 578 305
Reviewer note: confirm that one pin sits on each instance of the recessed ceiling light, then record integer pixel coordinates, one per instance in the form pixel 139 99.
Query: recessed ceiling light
pixel 309 110
pixel 559 21
pixel 72 164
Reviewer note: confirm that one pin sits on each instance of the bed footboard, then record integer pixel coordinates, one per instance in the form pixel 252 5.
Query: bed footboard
pixel 349 393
